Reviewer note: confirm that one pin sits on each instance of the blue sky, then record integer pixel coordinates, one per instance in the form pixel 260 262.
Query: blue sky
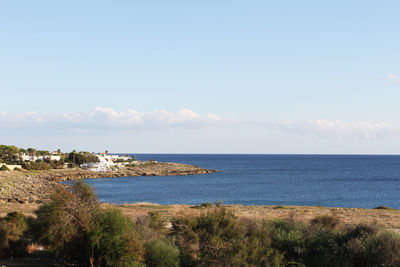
pixel 201 77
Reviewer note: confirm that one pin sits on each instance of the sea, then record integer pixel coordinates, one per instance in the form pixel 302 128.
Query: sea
pixel 359 181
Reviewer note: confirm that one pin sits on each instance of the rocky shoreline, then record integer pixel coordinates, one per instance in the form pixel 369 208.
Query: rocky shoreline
pixel 36 186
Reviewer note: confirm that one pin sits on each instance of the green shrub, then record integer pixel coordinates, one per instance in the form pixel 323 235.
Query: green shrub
pixel 382 249
pixel 115 240
pixel 4 237
pixel 319 244
pixel 218 238
pixel 187 240
pixel 37 165
pixel 157 222
pixel 206 205
pixel 78 158
pixel 65 222
pixel 74 227
pixel 4 168
pixel 360 231
pixel 13 241
pixel 326 221
pixel 152 226
pixel 290 238
pixel 17 222
pixel 383 208
pixel 323 247
pixel 161 254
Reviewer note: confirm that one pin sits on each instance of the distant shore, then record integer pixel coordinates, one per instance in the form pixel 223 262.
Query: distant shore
pixel 36 186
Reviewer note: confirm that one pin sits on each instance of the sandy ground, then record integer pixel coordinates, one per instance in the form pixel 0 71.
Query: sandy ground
pixel 387 218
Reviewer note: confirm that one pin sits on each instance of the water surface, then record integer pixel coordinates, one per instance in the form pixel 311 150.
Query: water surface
pixel 326 180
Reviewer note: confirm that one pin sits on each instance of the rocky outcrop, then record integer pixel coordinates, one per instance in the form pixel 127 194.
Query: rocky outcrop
pixel 25 187
pixel 36 186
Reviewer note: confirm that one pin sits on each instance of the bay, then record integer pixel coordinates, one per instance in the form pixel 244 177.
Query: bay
pixel 364 181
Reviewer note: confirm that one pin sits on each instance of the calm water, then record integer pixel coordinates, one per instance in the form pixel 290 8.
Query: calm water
pixel 326 180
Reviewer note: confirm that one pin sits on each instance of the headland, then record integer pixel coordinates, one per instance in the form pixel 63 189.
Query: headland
pixel 35 186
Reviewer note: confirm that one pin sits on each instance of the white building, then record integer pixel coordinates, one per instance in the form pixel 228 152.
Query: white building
pixel 105 159
pixel 54 157
pixel 95 166
pixel 106 162
pixel 25 157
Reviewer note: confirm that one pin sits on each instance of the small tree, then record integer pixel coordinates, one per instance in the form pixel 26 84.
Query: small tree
pixel 161 254
pixel 74 226
pixel 65 222
pixel 115 241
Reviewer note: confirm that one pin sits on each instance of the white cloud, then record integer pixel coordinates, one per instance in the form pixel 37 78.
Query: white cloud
pixel 393 79
pixel 324 127
pixel 102 118
pixel 105 119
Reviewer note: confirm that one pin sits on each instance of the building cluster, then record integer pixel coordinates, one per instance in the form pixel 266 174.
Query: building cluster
pixel 108 162
pixel 25 157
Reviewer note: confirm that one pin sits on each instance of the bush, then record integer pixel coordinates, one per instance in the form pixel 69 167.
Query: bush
pixel 74 227
pixel 82 157
pixel 13 241
pixel 220 239
pixel 65 222
pixel 206 205
pixel 361 231
pixel 382 208
pixel 152 226
pixel 17 222
pixel 326 221
pixel 37 165
pixel 157 222
pixel 161 254
pixel 382 249
pixel 323 247
pixel 290 238
pixel 3 237
pixel 318 244
pixel 4 168
pixel 116 242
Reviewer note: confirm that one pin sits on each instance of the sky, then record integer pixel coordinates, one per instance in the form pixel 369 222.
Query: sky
pixel 269 77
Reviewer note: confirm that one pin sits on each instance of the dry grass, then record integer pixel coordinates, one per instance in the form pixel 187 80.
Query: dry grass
pixel 348 216
pixel 27 209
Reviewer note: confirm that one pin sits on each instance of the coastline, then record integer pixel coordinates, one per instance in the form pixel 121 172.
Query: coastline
pixel 25 190
pixel 36 186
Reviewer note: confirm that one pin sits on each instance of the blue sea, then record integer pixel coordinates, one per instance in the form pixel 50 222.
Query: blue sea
pixel 326 180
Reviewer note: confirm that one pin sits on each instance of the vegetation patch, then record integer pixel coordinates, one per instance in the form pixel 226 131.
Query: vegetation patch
pixel 4 168
pixel 73 227
pixel 383 208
